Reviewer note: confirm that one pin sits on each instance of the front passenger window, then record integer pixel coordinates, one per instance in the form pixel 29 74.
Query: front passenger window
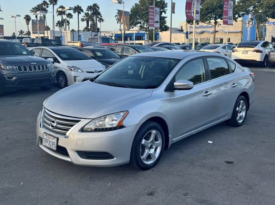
pixel 193 71
pixel 37 52
pixel 218 67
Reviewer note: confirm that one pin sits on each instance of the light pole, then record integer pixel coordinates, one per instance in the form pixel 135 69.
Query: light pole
pixel 15 16
pixel 171 21
pixel 123 28
pixel 154 4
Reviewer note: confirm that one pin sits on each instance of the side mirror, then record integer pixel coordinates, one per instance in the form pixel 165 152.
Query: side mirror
pixel 183 85
pixel 32 52
pixel 51 60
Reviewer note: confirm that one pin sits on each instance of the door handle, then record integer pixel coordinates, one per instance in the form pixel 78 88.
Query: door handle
pixel 207 93
pixel 233 85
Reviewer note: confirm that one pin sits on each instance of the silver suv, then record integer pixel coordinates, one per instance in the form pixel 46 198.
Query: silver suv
pixel 141 105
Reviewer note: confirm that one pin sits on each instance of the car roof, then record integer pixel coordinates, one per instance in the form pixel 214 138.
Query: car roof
pixel 178 54
pixel 54 47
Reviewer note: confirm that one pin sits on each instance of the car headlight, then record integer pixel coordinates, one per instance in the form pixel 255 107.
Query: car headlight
pixel 75 69
pixel 106 123
pixel 7 67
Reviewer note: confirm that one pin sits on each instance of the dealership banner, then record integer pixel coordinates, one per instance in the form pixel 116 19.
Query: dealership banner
pixel 154 17
pixel 1 30
pixel 38 28
pixel 126 22
pixel 173 7
pixel 189 9
pixel 228 12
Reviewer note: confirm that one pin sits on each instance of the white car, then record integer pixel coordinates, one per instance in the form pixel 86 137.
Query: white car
pixel 71 66
pixel 224 49
pixel 252 51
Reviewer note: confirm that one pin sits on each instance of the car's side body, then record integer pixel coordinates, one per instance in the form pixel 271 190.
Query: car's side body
pixel 223 49
pixel 180 113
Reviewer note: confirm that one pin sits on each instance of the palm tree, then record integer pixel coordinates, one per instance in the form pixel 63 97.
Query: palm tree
pixel 86 18
pixel 78 9
pixel 60 25
pixel 53 3
pixel 34 10
pixel 118 20
pixel 86 29
pixel 100 20
pixel 96 15
pixel 69 16
pixel 27 19
pixel 45 6
pixel 47 28
pixel 21 33
pixel 28 33
pixel 61 12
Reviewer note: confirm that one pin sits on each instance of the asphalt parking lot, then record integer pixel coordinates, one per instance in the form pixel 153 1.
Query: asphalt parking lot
pixel 238 168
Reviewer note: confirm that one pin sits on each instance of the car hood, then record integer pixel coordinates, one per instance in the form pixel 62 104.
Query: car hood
pixel 21 59
pixel 86 65
pixel 92 100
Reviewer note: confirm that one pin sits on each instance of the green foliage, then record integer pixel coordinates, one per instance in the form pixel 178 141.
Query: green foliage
pixel 139 14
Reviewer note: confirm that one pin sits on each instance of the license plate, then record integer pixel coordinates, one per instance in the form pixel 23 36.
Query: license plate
pixel 245 52
pixel 49 141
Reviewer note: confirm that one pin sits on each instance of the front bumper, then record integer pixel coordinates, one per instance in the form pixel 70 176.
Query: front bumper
pixel 25 80
pixel 117 143
pixel 77 77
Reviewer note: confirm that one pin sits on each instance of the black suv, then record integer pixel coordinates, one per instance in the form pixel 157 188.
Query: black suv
pixel 20 69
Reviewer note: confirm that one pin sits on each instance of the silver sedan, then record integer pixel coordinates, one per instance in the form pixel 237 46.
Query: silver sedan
pixel 142 105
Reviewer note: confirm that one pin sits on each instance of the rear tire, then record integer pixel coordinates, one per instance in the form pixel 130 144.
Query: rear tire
pixel 239 113
pixel 61 80
pixel 148 146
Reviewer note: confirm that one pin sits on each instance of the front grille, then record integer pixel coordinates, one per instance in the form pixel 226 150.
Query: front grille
pixel 31 68
pixel 57 123
pixel 96 71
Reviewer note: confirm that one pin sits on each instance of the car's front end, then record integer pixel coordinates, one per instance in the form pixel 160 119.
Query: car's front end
pixel 24 72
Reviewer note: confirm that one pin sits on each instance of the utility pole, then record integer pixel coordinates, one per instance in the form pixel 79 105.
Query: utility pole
pixel 194 24
pixel 154 4
pixel 171 22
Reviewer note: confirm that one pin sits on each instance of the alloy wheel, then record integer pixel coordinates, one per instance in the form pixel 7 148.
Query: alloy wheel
pixel 241 111
pixel 150 147
pixel 61 81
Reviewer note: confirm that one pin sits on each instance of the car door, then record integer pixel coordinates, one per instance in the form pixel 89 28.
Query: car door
pixel 195 108
pixel 224 87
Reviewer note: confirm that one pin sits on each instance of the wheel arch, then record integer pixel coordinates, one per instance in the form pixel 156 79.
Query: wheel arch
pixel 164 126
pixel 245 94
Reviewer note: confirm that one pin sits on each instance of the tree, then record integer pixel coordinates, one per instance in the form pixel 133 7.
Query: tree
pixel 60 11
pixel 47 28
pixel 28 33
pixel 261 10
pixel 212 10
pixel 139 15
pixel 45 6
pixel 95 11
pixel 69 16
pixel 78 9
pixel 60 25
pixel 86 18
pixel 27 19
pixel 21 33
pixel 118 20
pixel 53 3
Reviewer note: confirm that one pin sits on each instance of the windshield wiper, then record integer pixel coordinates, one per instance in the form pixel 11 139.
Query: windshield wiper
pixel 112 84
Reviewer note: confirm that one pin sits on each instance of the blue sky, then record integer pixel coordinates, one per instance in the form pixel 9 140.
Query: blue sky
pixel 108 10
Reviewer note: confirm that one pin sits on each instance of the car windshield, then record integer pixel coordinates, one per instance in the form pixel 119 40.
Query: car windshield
pixel 138 72
pixel 248 44
pixel 211 47
pixel 142 49
pixel 7 48
pixel 104 54
pixel 70 54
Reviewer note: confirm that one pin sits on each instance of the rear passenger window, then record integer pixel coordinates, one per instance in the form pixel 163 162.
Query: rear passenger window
pixel 37 52
pixel 218 67
pixel 193 71
pixel 232 66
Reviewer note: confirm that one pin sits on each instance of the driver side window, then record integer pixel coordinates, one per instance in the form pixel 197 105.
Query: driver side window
pixel 193 71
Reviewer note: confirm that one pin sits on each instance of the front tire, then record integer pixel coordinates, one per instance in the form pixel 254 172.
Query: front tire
pixel 148 146
pixel 239 113
pixel 62 80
